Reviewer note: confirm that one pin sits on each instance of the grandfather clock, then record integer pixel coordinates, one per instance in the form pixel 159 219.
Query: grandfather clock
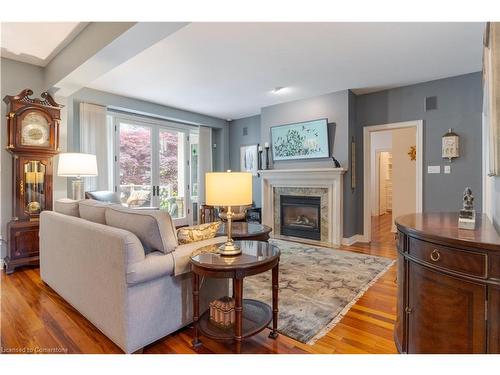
pixel 33 140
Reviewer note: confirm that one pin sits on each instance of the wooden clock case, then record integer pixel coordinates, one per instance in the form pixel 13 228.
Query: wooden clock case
pixel 32 171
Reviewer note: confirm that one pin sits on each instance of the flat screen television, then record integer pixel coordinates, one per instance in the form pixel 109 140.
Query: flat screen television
pixel 301 140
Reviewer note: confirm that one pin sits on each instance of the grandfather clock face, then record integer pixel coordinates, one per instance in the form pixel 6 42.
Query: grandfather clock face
pixel 35 130
pixel 32 123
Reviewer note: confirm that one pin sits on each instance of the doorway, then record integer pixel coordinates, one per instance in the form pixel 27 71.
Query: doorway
pixel 392 173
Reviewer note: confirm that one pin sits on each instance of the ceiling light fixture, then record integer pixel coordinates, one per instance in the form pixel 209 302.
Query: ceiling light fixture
pixel 278 89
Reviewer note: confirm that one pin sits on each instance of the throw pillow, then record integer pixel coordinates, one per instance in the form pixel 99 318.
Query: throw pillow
pixel 154 228
pixel 197 232
pixel 67 207
pixel 93 210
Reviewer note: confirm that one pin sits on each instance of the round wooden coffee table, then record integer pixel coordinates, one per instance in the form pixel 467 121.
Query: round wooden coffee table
pixel 251 316
pixel 244 231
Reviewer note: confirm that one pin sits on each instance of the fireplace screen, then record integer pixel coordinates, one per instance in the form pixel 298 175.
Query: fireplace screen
pixel 300 216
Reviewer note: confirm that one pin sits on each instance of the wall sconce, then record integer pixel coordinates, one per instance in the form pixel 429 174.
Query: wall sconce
pixel 450 145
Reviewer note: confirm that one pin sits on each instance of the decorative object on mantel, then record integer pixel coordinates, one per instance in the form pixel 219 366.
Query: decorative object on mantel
pixel 222 312
pixel 467 215
pixel 249 159
pixel 413 153
pixel 266 146
pixel 302 140
pixel 450 145
pixel 259 161
pixel 353 164
pixel 336 162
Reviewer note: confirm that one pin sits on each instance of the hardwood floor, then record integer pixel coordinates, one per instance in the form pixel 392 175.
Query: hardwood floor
pixel 35 319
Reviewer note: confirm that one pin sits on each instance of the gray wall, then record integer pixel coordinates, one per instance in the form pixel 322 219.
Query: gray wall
pixel 459 106
pixel 16 76
pixel 237 139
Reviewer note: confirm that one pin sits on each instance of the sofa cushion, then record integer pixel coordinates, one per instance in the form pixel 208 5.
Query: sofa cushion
pixel 197 232
pixel 67 206
pixel 93 210
pixel 154 228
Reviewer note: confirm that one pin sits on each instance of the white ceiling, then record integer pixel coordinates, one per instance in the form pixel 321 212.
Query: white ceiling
pixel 36 42
pixel 227 70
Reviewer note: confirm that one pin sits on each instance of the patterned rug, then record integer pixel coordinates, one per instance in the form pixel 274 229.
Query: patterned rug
pixel 317 287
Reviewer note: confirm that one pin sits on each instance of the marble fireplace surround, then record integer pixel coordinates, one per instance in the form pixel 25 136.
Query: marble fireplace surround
pixel 326 183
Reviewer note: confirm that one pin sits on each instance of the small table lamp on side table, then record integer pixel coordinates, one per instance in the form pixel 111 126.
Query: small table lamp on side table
pixel 77 165
pixel 228 189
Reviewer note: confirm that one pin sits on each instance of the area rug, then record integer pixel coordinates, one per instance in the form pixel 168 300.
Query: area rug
pixel 317 287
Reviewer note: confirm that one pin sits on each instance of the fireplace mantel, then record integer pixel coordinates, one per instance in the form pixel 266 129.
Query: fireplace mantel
pixel 294 172
pixel 327 178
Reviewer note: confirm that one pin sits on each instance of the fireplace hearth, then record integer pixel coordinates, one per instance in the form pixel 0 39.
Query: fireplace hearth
pixel 301 216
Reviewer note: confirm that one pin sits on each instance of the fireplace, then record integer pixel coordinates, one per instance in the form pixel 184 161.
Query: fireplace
pixel 300 216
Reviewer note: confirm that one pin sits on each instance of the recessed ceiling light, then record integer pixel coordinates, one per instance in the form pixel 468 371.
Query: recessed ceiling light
pixel 278 89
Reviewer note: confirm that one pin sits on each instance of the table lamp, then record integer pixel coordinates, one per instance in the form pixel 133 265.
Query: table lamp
pixel 228 189
pixel 77 165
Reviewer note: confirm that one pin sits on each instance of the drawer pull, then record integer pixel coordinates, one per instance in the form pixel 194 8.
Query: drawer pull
pixel 435 256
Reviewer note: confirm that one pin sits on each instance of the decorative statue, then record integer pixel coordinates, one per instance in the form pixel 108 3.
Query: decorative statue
pixel 467 215
pixel 468 199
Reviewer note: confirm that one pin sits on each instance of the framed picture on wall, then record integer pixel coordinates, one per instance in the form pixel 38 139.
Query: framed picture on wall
pixel 248 159
pixel 301 140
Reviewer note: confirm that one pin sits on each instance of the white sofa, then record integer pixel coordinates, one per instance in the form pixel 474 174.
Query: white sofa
pixel 122 270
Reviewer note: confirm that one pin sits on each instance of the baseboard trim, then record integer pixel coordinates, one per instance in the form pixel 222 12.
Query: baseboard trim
pixel 348 241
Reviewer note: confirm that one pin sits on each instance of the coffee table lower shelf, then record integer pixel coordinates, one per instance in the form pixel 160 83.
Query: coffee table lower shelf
pixel 257 315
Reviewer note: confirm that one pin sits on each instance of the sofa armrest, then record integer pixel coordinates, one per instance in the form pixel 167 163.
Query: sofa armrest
pixel 183 253
pixel 155 264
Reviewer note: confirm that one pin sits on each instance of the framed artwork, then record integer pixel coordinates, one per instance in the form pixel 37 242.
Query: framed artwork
pixel 301 140
pixel 248 159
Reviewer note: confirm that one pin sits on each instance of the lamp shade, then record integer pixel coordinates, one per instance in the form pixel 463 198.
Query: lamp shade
pixel 228 188
pixel 77 165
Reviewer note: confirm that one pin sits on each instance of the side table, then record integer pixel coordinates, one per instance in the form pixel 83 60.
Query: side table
pixel 251 316
pixel 243 231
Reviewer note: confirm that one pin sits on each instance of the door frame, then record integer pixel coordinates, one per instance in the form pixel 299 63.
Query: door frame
pixel 367 130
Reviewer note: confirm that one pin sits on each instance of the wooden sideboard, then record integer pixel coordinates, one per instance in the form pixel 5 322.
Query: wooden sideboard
pixel 448 285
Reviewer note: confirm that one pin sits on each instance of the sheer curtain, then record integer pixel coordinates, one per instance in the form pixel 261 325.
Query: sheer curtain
pixel 96 137
pixel 204 159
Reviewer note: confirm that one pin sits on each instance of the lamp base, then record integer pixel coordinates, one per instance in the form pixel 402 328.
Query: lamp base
pixel 229 249
pixel 78 189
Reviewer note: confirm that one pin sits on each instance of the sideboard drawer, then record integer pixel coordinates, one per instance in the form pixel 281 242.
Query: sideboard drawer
pixel 461 261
